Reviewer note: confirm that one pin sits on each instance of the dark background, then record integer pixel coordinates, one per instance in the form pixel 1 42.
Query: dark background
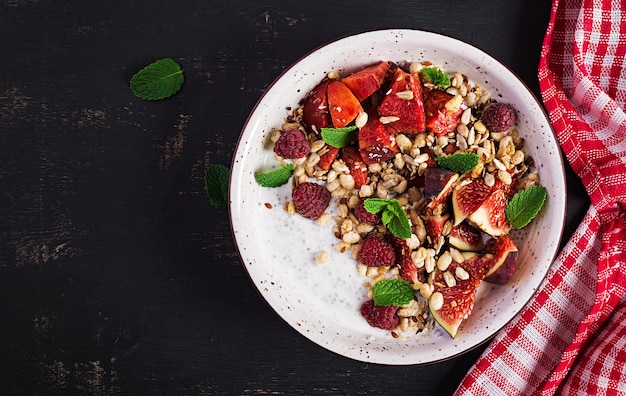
pixel 116 275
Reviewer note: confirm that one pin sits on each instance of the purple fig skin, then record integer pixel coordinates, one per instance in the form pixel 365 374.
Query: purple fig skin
pixel 504 273
pixel 436 180
pixel 438 183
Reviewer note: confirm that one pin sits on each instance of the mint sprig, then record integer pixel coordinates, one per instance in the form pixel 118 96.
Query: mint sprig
pixel 437 77
pixel 338 137
pixel 159 80
pixel 275 178
pixel 216 182
pixel 392 292
pixel 525 205
pixel 393 215
pixel 458 162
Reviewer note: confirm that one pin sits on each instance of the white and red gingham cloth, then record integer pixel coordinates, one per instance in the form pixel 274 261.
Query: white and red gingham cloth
pixel 571 337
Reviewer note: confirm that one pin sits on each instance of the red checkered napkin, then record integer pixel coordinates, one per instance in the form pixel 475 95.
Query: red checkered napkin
pixel 571 338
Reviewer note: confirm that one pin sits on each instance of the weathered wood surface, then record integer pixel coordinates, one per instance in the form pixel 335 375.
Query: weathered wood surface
pixel 116 275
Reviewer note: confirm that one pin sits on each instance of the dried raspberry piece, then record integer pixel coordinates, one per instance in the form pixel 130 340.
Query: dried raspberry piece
pixel 499 117
pixel 310 199
pixel 379 316
pixel 292 144
pixel 364 216
pixel 376 252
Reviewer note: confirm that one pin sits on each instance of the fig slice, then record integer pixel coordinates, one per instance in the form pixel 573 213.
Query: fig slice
pixel 466 237
pixel 377 142
pixel 405 102
pixel 505 255
pixel 344 107
pixel 442 115
pixel 468 196
pixel 315 112
pixel 438 185
pixel 365 82
pixel 458 300
pixel 434 228
pixel 491 216
pixel 408 271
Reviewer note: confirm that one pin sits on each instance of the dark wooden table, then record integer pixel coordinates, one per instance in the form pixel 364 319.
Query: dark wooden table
pixel 116 275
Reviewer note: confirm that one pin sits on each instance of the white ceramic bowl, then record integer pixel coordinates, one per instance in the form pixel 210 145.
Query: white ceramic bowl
pixel 322 303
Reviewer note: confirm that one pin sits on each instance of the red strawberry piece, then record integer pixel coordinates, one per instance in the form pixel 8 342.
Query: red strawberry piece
pixel 439 120
pixel 343 105
pixel 406 102
pixel 377 142
pixel 328 157
pixel 364 216
pixel 408 270
pixel 315 112
pixel 366 81
pixel 383 317
pixel 354 161
pixel 310 199
pixel 292 144
pixel 376 252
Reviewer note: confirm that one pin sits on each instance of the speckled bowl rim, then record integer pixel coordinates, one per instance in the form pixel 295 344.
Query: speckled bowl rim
pixel 371 349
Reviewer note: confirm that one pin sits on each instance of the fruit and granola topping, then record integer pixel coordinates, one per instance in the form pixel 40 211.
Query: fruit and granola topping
pixel 428 174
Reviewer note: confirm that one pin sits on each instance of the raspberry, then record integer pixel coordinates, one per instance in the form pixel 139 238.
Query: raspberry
pixel 379 316
pixel 292 144
pixel 376 252
pixel 499 117
pixel 364 216
pixel 310 199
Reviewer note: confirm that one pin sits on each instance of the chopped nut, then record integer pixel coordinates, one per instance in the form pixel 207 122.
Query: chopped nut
pixel 388 119
pixel 461 273
pixel 405 95
pixel 436 301
pixel 444 261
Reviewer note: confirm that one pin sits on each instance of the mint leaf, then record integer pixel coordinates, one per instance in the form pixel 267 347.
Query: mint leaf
pixel 375 205
pixel 275 178
pixel 216 181
pixel 387 216
pixel 393 215
pixel 525 205
pixel 459 162
pixel 338 137
pixel 437 77
pixel 392 292
pixel 159 80
pixel 398 223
